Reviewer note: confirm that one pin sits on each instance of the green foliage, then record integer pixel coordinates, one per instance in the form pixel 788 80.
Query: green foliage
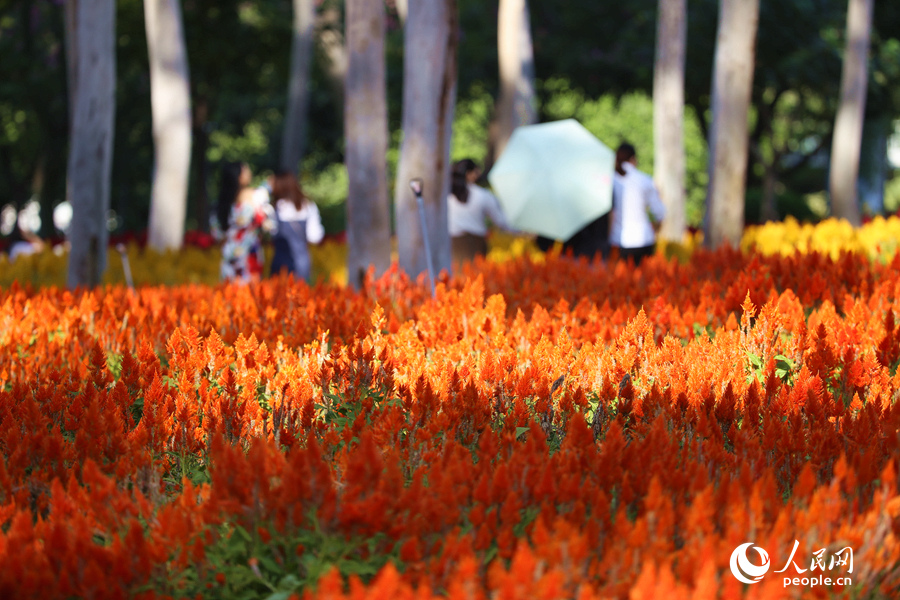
pixel 248 145
pixel 703 330
pixel 784 368
pixel 268 564
pixel 892 195
pixel 238 55
pixel 471 124
pixel 327 186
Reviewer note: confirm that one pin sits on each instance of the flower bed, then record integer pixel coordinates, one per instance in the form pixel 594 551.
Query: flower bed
pixel 543 429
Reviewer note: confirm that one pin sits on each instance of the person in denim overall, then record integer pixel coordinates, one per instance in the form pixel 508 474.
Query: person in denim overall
pixel 298 224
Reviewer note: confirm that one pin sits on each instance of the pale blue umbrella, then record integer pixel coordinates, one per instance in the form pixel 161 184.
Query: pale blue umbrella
pixel 554 178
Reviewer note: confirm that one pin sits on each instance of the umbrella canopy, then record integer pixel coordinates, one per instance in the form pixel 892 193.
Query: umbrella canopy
pixel 554 178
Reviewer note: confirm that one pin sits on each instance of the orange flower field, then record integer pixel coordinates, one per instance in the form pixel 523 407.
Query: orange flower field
pixel 544 428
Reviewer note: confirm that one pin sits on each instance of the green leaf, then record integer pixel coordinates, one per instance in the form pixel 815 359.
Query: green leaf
pixel 522 430
pixel 754 360
pixel 288 583
pixel 359 568
pixel 269 563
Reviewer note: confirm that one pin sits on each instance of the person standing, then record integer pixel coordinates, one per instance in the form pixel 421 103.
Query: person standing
pixel 298 224
pixel 468 207
pixel 247 218
pixel 590 240
pixel 637 208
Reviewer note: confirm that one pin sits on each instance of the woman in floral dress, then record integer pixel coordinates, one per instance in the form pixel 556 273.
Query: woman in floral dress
pixel 242 252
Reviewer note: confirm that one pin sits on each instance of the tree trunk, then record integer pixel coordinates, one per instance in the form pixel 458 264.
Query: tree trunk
pixel 366 131
pixel 330 39
pixel 90 154
pixel 71 42
pixel 429 95
pixel 873 163
pixel 668 115
pixel 845 146
pixel 728 137
pixel 293 143
pixel 54 186
pixel 516 104
pixel 170 101
pixel 201 163
pixel 768 210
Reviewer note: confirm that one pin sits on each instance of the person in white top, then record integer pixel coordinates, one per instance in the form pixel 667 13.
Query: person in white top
pixel 298 224
pixel 468 207
pixel 637 208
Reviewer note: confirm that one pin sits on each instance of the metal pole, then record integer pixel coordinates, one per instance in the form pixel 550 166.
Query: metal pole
pixel 416 185
pixel 125 266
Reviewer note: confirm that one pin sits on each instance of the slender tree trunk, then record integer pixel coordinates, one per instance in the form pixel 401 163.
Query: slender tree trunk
pixel 429 95
pixel 71 42
pixel 201 144
pixel 366 131
pixel 768 211
pixel 728 138
pixel 848 125
pixel 330 39
pixel 873 163
pixel 668 115
pixel 54 186
pixel 170 101
pixel 293 143
pixel 516 104
pixel 39 189
pixel 90 154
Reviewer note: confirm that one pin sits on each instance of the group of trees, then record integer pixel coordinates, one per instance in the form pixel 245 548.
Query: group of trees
pixel 336 64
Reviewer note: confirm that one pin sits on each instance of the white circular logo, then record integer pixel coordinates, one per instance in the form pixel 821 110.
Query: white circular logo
pixel 743 569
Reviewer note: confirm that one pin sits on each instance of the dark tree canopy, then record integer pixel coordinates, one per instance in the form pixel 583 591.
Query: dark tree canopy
pixel 238 52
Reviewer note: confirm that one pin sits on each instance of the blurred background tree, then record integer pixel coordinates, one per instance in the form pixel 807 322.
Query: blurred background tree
pixel 593 61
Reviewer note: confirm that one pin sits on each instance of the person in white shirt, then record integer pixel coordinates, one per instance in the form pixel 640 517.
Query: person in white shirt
pixel 297 224
pixel 637 208
pixel 468 207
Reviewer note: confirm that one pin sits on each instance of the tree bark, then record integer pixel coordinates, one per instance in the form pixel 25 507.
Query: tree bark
pixel 768 210
pixel 728 138
pixel 516 104
pixel 330 39
pixel 170 101
pixel 90 154
pixel 293 144
pixel 71 40
pixel 873 163
pixel 848 125
pixel 668 115
pixel 366 131
pixel 200 146
pixel 429 95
